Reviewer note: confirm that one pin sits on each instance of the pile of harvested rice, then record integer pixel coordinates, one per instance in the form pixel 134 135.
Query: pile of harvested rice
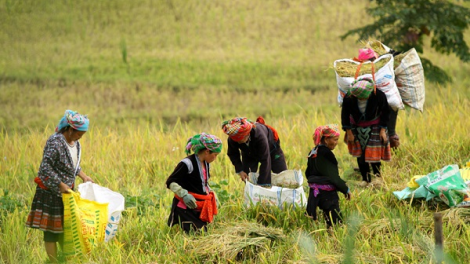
pixel 398 58
pixel 236 240
pixel 376 46
pixel 348 69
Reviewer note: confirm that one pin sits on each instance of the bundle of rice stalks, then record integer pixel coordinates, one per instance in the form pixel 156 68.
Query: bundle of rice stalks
pixel 237 241
pixel 453 216
pixel 398 58
pixel 338 258
pixel 377 46
pixel 348 69
pixel 380 227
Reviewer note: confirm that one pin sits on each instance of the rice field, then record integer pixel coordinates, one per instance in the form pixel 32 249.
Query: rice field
pixel 150 74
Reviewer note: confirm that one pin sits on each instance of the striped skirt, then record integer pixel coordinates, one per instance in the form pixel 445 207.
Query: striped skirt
pixel 47 212
pixel 367 140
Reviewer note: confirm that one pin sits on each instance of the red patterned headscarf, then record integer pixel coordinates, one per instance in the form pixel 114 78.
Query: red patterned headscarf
pixel 237 128
pixel 330 130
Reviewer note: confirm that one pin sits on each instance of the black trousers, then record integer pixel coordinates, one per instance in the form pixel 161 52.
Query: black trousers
pixel 188 219
pixel 328 202
pixel 364 168
pixel 54 237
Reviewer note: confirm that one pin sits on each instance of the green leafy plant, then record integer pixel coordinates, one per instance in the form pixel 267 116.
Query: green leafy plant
pixel 142 203
pixel 222 194
pixel 8 204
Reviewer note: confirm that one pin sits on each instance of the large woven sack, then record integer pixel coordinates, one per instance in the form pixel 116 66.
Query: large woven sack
pixel 287 179
pixel 275 195
pixel 409 76
pixel 384 79
pixel 116 204
pixel 84 224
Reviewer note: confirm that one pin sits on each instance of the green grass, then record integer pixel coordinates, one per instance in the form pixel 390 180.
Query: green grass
pixel 150 74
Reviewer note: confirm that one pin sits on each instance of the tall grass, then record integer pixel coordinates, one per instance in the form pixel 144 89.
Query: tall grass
pixel 150 74
pixel 136 163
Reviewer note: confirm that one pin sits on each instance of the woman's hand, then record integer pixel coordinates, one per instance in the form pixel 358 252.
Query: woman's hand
pixel 64 188
pixel 350 135
pixel 348 196
pixel 383 136
pixel 243 176
pixel 85 178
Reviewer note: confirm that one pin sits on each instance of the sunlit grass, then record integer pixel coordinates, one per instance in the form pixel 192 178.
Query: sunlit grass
pixel 136 163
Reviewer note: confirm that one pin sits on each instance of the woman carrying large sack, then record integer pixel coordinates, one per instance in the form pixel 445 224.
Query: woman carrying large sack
pixel 59 167
pixel 364 117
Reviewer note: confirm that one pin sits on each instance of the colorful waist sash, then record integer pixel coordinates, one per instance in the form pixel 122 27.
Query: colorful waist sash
pixel 207 204
pixel 324 187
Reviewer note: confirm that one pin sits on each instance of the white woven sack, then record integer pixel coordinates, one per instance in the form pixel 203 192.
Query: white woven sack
pixel 384 79
pixel 116 204
pixel 275 196
pixel 286 179
pixel 409 76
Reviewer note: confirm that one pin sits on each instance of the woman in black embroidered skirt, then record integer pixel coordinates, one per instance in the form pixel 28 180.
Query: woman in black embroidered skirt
pixel 59 167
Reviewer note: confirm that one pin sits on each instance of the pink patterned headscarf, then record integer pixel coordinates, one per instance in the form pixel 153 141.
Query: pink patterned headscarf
pixel 330 130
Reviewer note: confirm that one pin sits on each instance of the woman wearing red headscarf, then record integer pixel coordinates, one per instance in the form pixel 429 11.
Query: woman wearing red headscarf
pixel 323 176
pixel 257 144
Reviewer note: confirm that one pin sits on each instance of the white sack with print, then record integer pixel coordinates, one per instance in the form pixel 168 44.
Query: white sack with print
pixel 94 192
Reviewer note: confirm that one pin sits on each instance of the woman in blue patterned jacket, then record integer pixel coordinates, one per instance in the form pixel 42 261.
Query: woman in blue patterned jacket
pixel 59 167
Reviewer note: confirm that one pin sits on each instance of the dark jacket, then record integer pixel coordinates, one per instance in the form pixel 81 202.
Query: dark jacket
pixel 57 165
pixel 377 106
pixel 188 174
pixel 323 169
pixel 261 148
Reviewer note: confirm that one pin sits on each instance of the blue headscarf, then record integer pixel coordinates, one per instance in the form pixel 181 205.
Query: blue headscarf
pixel 75 120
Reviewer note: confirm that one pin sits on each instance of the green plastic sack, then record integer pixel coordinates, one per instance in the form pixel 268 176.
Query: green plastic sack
pixel 447 184
pixel 409 193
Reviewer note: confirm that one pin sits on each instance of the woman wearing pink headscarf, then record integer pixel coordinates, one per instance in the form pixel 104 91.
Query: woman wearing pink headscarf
pixel 323 176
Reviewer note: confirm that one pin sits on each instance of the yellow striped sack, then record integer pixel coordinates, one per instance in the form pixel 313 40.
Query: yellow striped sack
pixel 84 224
